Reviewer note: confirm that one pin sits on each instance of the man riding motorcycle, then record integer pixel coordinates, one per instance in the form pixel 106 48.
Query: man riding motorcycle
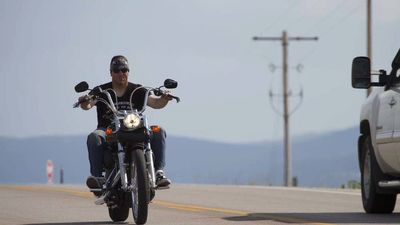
pixel 119 86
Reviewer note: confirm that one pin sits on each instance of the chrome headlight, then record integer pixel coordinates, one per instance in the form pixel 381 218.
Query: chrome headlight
pixel 131 121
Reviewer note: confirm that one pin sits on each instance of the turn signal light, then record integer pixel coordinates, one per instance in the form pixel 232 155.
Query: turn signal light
pixel 109 131
pixel 155 128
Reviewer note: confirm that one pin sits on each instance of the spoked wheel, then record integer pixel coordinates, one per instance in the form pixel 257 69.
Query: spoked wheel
pixel 140 187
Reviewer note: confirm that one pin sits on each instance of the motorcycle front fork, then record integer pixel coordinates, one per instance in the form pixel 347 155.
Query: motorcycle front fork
pixel 122 167
pixel 150 166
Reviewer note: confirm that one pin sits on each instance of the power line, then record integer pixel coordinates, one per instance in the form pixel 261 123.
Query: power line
pixel 303 15
pixel 281 16
pixel 330 29
pixel 344 18
pixel 325 18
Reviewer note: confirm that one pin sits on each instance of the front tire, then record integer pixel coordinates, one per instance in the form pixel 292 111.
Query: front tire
pixel 140 187
pixel 373 202
pixel 152 194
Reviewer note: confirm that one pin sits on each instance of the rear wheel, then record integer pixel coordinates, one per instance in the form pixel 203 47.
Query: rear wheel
pixel 140 187
pixel 373 202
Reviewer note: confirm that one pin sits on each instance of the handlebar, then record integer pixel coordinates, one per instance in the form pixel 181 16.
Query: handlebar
pixel 93 94
pixel 87 98
pixel 158 92
pixel 175 97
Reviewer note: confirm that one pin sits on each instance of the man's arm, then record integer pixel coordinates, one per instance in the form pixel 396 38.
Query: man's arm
pixel 158 102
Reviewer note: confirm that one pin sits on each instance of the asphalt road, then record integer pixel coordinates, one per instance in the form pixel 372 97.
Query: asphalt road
pixel 192 205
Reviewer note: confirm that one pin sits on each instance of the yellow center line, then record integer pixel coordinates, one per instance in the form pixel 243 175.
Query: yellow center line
pixel 167 204
pixel 184 209
pixel 50 189
pixel 200 208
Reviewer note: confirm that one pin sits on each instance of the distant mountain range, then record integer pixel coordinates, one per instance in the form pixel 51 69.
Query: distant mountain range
pixel 327 160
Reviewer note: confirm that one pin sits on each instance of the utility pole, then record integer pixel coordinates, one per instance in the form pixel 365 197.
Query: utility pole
pixel 61 175
pixel 369 36
pixel 287 153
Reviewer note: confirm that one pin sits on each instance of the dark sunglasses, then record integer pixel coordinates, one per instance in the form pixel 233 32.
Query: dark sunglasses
pixel 124 70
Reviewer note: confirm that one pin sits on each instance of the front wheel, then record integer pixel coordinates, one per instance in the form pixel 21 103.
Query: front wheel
pixel 140 187
pixel 373 202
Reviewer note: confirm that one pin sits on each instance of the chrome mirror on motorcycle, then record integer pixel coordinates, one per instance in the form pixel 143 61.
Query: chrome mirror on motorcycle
pixel 81 87
pixel 170 84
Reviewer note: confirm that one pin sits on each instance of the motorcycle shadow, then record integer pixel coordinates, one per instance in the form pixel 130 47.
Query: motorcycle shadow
pixel 325 217
pixel 80 223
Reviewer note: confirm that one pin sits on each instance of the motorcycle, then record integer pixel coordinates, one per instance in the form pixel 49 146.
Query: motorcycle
pixel 130 180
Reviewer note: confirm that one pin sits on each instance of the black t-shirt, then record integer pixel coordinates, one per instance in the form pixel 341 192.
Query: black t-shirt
pixel 104 113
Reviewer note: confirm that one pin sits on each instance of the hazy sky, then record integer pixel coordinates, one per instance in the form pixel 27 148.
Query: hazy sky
pixel 224 78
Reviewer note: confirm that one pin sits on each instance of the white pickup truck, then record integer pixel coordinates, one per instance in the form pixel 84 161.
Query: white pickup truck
pixel 379 141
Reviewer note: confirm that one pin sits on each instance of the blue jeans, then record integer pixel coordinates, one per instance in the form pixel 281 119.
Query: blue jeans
pixel 96 145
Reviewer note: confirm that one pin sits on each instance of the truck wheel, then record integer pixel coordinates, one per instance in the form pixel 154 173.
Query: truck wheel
pixel 373 202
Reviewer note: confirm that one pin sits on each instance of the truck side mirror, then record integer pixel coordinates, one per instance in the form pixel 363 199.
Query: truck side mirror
pixel 361 72
pixel 396 62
